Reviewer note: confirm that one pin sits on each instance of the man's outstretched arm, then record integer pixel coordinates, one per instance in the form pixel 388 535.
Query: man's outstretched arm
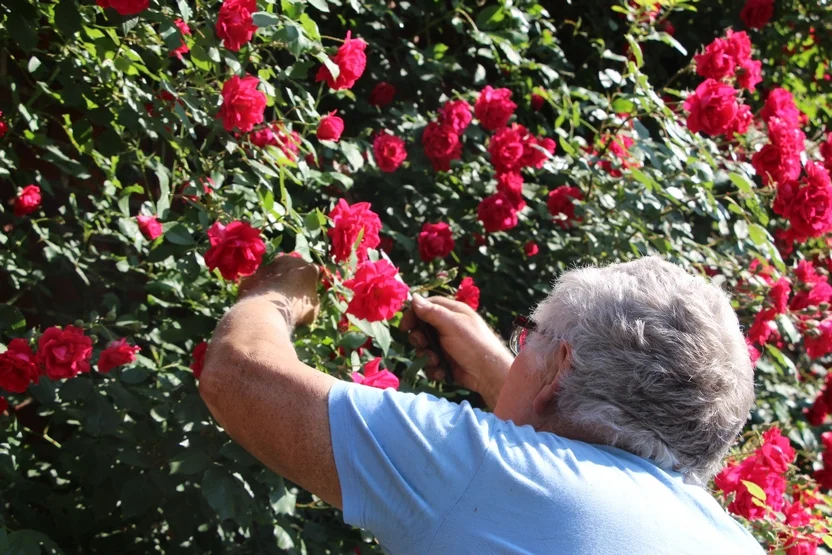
pixel 267 400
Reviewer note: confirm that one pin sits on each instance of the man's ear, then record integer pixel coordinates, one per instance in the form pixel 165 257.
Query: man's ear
pixel 550 382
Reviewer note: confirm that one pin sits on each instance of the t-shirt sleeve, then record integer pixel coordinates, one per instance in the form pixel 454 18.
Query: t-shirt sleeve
pixel 403 460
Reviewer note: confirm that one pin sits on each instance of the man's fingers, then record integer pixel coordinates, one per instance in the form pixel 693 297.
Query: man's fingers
pixel 433 358
pixel 417 339
pixel 434 373
pixel 433 311
pixel 409 320
pixel 451 304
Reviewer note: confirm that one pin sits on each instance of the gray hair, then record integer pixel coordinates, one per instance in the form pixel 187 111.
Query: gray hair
pixel 659 364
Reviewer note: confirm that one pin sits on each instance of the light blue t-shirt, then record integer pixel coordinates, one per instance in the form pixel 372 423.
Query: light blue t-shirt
pixel 429 476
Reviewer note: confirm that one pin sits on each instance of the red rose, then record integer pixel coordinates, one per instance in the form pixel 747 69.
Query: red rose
pixel 738 45
pixel 820 344
pixel 382 94
pixel 235 26
pixel 4 127
pixel 236 249
pixel 756 13
pixel 561 203
pixel 27 201
pixel 18 367
pixel 348 222
pixel 788 139
pixel 379 294
pixel 435 241
pixel 497 213
pixel 712 108
pixel 457 114
pixel 494 107
pixel 780 103
pixel 125 7
pixel 183 47
pixel 442 145
pixel 810 211
pixel 511 184
pixel 242 104
pixel 278 136
pixel 330 127
pixel 826 152
pixel 668 28
pixel 537 102
pixel 536 151
pixel 779 295
pixel 774 166
pixel 389 151
pixel 468 293
pixel 204 185
pixel 373 377
pixel 507 148
pixel 149 226
pixel 749 74
pixel 64 353
pixel 716 62
pixel 116 354
pixel 806 272
pixel 742 122
pixel 531 248
pixel 351 62
pixel 199 358
pixel 821 292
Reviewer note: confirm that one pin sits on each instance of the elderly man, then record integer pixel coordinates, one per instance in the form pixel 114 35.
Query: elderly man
pixel 629 385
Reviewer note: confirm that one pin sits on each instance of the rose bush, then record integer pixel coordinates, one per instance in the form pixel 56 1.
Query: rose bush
pixel 153 152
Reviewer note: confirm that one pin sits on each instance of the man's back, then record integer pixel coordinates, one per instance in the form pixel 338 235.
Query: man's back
pixel 429 476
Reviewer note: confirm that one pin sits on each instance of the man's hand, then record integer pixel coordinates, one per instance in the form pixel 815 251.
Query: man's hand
pixel 294 280
pixel 479 360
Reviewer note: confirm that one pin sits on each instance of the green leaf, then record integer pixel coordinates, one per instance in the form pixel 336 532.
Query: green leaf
pixel 755 490
pixel 189 462
pixel 353 155
pixel 320 4
pixel 758 234
pixel 742 183
pixel 827 540
pixel 100 418
pixel 68 17
pixel 225 494
pixel 138 496
pixel 179 235
pixel 26 542
pixel 11 318
pixel 264 19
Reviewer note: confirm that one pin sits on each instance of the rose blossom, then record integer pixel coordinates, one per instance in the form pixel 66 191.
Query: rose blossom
pixel 810 211
pixel 125 7
pixel 537 102
pixel 819 293
pixel 330 127
pixel 278 136
pixel 198 357
pixel 779 295
pixel 780 103
pixel 507 148
pixel 378 293
pixel 712 108
pixel 756 13
pixel 531 248
pixel 457 114
pixel 494 107
pixel 497 213
pixel 236 249
pixel 351 62
pixel 435 241
pixel 773 165
pixel 749 74
pixel 819 345
pixel 373 377
pixel 18 367
pixel 382 94
pixel 116 354
pixel 242 104
pixel 738 45
pixel 389 151
pixel 149 226
pixel 511 184
pixel 27 201
pixel 442 145
pixel 64 353
pixel 182 49
pixel 716 62
pixel 536 151
pixel 235 25
pixel 348 222
pixel 4 127
pixel 561 203
pixel 468 293
pixel 742 122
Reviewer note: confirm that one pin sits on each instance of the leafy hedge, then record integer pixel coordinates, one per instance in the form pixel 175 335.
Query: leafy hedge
pixel 152 152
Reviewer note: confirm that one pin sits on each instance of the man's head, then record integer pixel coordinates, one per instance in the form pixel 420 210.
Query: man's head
pixel 642 356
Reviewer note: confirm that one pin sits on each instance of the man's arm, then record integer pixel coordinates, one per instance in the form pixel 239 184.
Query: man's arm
pixel 267 400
